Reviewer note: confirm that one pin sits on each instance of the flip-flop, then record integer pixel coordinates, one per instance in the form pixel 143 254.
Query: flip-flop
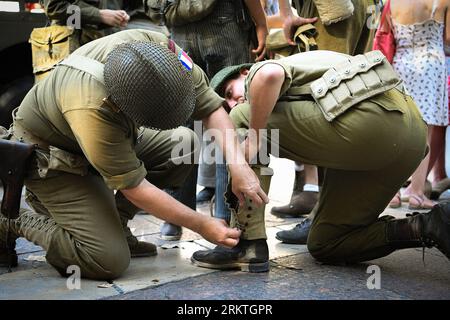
pixel 421 202
pixel 427 192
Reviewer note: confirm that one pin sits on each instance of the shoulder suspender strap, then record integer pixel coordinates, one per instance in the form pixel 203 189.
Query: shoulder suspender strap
pixel 88 65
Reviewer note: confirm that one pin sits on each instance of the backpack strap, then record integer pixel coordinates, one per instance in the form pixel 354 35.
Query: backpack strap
pixel 85 64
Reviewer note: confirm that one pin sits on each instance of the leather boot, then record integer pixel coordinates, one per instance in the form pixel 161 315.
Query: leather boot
pixel 30 225
pixel 34 227
pixel 430 229
pixel 301 204
pixel 248 255
pixel 137 248
pixel 297 235
pixel 251 253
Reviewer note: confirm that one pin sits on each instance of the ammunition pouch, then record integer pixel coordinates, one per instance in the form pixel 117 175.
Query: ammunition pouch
pixel 348 83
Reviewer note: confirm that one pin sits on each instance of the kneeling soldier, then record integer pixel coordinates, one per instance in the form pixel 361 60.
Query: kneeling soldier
pixel 107 118
pixel 351 116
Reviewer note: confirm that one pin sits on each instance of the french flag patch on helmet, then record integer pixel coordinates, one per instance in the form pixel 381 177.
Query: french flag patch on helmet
pixel 185 60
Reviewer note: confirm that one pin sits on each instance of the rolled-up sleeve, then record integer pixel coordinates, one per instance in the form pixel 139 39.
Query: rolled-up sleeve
pixel 108 144
pixel 206 99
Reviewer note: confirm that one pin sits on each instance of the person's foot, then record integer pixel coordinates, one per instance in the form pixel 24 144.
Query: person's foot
pixel 170 232
pixel 301 204
pixel 297 235
pixel 248 255
pixel 396 201
pixel 205 195
pixel 427 190
pixel 420 202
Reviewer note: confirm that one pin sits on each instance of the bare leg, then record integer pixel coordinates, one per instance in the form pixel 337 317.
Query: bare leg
pixel 415 190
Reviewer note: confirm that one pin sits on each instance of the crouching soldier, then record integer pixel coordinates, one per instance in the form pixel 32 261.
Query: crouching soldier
pixel 351 116
pixel 107 118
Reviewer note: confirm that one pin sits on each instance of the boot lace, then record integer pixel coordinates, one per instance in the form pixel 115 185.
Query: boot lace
pixel 425 241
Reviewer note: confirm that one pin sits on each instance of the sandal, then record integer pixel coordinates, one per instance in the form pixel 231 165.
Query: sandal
pixel 439 188
pixel 426 192
pixel 396 201
pixel 421 203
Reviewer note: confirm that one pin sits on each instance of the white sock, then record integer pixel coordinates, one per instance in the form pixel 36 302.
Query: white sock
pixel 311 187
pixel 299 167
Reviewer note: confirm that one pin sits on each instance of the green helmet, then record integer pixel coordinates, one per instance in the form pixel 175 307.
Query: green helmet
pixel 150 85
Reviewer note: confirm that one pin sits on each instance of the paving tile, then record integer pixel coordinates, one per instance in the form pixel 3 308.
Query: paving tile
pixel 141 225
pixel 278 249
pixel 44 283
pixel 169 265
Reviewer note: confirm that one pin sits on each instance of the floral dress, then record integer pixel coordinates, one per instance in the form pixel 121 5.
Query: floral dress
pixel 420 62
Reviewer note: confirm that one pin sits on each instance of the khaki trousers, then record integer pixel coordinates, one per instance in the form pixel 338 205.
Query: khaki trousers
pixel 368 153
pixel 89 232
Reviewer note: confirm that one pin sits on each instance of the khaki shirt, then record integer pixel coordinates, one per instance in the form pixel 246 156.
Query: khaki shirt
pixel 300 68
pixel 67 111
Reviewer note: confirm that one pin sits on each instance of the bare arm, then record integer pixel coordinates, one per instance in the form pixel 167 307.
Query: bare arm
pixel 259 18
pixel 245 182
pixel 151 199
pixel 264 92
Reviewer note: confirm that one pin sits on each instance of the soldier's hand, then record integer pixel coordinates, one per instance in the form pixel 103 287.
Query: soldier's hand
pixel 290 25
pixel 114 18
pixel 245 184
pixel 261 34
pixel 217 231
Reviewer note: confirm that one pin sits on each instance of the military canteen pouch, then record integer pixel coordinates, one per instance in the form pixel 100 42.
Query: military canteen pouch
pixel 353 81
pixel 49 46
pixel 304 37
pixel 174 13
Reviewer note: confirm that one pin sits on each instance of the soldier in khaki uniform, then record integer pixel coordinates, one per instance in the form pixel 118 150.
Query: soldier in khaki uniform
pixel 341 26
pixel 87 118
pixel 355 120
